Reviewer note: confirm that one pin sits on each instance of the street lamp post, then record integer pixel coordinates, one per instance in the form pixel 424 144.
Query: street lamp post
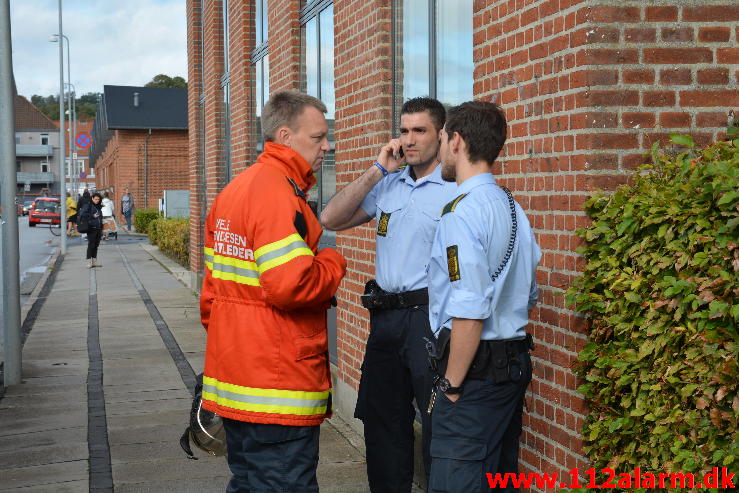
pixel 71 103
pixel 62 179
pixel 10 288
pixel 72 135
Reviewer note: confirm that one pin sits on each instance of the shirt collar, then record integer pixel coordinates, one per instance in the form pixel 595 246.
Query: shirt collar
pixel 475 181
pixel 434 177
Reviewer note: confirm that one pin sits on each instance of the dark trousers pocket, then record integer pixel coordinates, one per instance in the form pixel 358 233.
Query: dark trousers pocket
pixel 456 465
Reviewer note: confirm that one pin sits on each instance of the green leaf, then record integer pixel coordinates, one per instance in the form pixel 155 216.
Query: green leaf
pixel 682 140
pixel 728 197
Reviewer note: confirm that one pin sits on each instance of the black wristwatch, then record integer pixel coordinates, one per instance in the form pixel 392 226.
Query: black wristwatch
pixel 446 387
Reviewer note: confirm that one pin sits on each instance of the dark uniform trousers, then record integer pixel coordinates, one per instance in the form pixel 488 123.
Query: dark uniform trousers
pixel 271 458
pixel 477 434
pixel 394 372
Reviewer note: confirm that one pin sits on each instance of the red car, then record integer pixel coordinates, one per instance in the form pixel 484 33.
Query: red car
pixel 45 210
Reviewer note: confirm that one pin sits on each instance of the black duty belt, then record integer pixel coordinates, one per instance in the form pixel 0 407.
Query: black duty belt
pixel 375 298
pixel 497 361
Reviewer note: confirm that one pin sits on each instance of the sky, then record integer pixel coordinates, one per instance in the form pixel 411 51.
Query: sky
pixel 113 42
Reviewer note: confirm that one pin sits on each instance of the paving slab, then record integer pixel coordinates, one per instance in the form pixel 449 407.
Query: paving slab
pixel 43 475
pixel 81 486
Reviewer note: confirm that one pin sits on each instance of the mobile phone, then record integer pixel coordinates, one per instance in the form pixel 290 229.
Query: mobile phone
pixel 400 153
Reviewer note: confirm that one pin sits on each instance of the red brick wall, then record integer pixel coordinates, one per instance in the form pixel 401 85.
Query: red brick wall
pixel 284 44
pixel 587 86
pixel 213 68
pixel 195 134
pixel 363 85
pixel 122 164
pixel 162 163
pixel 241 23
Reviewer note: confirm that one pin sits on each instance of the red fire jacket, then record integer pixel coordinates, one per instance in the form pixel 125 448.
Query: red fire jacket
pixel 265 295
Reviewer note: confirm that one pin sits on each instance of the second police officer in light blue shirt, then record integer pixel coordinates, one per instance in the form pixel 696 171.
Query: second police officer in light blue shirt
pixel 407 203
pixel 482 285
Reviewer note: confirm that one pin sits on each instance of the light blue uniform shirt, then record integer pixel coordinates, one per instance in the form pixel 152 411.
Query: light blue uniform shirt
pixel 407 214
pixel 471 242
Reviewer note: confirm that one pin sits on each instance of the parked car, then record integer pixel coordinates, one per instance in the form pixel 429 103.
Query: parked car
pixel 45 210
pixel 27 206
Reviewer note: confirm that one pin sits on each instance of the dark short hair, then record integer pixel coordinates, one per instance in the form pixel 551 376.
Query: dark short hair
pixel 481 125
pixel 419 105
pixel 96 194
pixel 283 109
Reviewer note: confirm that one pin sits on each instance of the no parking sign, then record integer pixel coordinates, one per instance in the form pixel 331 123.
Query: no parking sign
pixel 83 140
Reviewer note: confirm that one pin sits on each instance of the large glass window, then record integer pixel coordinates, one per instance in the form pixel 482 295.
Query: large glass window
pixel 433 50
pixel 261 21
pixel 317 79
pixel 260 61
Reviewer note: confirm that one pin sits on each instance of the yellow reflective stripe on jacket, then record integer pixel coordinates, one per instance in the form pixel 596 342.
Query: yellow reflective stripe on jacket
pixel 280 252
pixel 231 269
pixel 258 400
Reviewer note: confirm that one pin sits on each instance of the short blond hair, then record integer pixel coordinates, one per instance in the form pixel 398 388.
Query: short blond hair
pixel 283 109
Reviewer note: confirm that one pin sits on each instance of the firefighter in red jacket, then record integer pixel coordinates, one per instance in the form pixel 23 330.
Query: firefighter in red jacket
pixel 264 300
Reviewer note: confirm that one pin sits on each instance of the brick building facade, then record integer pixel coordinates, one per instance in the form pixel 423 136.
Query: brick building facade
pixel 587 86
pixel 140 141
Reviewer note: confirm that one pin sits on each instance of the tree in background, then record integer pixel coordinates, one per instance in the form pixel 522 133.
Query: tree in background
pixel 163 80
pixel 86 105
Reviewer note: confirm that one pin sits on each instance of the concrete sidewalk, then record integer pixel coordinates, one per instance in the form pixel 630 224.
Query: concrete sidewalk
pixel 105 396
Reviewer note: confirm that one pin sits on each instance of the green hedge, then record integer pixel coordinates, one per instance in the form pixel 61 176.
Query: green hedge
pixel 659 294
pixel 172 236
pixel 142 218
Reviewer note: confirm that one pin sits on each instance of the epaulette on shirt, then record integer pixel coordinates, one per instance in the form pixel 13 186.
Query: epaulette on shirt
pixel 451 205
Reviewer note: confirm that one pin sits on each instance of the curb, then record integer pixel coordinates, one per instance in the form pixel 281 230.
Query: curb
pixel 33 306
pixel 183 275
pixel 39 286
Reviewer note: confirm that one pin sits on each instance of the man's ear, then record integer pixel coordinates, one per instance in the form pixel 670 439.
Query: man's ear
pixel 282 136
pixel 455 142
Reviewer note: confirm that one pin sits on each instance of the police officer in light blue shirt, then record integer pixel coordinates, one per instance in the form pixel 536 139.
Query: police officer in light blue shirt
pixel 482 285
pixel 406 202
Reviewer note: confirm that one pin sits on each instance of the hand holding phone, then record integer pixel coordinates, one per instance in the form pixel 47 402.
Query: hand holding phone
pixel 391 155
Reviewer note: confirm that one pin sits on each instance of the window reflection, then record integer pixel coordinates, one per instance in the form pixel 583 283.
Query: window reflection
pixel 261 93
pixel 415 54
pixel 261 23
pixel 327 60
pixel 311 58
pixel 260 59
pixel 454 65
pixel 434 50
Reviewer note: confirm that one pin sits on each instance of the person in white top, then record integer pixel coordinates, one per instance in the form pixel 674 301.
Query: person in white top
pixel 110 228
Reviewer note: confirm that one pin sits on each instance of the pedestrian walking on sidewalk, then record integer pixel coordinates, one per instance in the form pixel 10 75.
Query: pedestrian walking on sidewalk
pixel 407 202
pixel 110 228
pixel 71 215
pixel 127 207
pixel 264 299
pixel 92 213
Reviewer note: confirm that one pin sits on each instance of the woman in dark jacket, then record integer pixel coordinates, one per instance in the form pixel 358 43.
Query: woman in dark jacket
pixel 92 212
pixel 85 199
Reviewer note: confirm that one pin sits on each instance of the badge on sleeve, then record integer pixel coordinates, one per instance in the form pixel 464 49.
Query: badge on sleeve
pixel 382 223
pixel 453 263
